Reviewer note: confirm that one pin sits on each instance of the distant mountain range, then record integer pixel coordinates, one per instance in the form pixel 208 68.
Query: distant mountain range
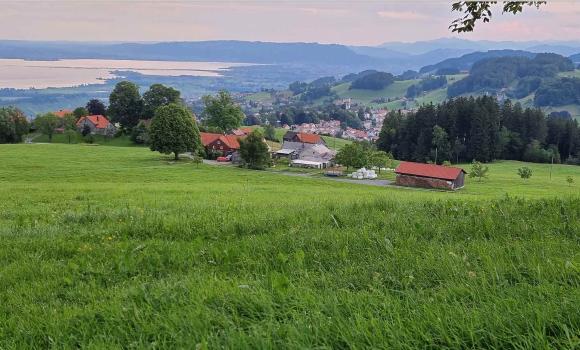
pixel 392 57
pixel 564 48
pixel 217 51
pixel 465 62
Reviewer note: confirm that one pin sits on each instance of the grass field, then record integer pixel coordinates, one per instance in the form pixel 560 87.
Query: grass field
pixel 120 141
pixel 119 247
pixel 394 91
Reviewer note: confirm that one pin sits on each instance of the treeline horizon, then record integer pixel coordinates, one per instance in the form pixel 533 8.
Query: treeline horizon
pixel 468 128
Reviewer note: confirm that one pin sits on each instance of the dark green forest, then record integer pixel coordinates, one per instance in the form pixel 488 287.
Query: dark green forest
pixel 373 81
pixel 494 74
pixel 465 129
pixel 428 84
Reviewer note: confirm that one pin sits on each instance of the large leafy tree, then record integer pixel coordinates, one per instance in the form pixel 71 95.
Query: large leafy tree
pixel 475 11
pixel 174 130
pixel 353 155
pixel 68 122
pixel 380 159
pixel 47 123
pixel 126 104
pixel 254 151
pixel 222 112
pixel 13 125
pixel 158 95
pixel 94 107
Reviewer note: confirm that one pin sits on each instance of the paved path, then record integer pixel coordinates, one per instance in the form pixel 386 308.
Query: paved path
pixel 380 183
pixel 362 182
pixel 338 179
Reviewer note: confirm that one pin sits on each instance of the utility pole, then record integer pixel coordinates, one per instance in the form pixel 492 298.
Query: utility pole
pixel 551 165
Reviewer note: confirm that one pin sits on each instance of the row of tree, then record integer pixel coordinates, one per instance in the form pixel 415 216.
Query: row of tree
pixel 464 129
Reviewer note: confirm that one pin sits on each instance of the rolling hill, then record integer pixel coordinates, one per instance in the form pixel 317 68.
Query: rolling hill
pixel 465 62
pixel 199 256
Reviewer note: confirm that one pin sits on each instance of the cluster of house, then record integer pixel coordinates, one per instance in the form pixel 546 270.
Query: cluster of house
pixel 305 150
pixel 301 149
pixel 372 124
pixel 325 127
pixel 94 124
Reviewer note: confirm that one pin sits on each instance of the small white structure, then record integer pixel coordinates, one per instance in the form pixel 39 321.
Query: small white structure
pixel 307 164
pixel 364 174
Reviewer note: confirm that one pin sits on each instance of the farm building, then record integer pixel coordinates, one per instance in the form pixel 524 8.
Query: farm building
pixel 429 176
pixel 300 137
pixel 220 143
pixel 306 155
pixel 97 124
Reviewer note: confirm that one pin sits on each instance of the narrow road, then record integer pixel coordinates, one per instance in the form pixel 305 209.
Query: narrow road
pixel 379 183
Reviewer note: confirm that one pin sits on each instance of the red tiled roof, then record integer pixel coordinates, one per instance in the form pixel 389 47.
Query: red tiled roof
pixel 207 138
pixel 231 141
pixel 100 121
pixel 429 170
pixel 308 138
pixel 62 113
pixel 242 131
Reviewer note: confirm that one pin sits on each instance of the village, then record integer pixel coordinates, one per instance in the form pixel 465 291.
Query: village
pixel 304 148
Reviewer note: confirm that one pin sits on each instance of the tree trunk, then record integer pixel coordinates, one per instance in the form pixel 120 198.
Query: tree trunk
pixel 176 155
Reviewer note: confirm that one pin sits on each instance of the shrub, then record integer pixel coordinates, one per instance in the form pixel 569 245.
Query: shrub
pixel 525 172
pixel 478 170
pixel 536 154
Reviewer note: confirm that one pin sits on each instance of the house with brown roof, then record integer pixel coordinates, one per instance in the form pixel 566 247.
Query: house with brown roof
pixel 62 113
pixel 314 139
pixel 430 176
pixel 97 124
pixel 242 131
pixel 225 144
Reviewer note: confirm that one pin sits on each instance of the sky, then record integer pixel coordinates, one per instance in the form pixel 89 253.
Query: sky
pixel 356 22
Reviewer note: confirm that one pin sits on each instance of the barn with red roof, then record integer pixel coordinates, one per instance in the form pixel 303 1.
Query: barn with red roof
pixel 429 176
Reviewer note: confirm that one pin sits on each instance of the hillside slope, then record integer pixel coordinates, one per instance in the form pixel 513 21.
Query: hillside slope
pixel 198 256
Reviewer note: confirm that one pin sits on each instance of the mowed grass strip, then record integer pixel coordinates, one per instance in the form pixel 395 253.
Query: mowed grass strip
pixel 111 247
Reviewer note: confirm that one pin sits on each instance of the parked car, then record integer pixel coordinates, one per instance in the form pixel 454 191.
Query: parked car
pixel 223 159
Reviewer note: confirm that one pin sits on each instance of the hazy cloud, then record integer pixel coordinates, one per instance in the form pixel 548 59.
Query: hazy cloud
pixel 402 15
pixel 340 21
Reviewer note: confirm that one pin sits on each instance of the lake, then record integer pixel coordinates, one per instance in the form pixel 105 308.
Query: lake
pixel 22 74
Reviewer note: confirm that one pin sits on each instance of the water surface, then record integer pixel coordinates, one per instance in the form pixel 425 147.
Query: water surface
pixel 22 74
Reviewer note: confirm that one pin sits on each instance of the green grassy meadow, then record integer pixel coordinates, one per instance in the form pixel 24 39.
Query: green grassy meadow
pixel 120 247
pixel 331 142
pixel 396 90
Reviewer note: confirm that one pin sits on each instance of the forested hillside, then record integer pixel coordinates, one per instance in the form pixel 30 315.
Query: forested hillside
pixel 520 75
pixel 464 129
pixel 549 81
pixel 465 62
